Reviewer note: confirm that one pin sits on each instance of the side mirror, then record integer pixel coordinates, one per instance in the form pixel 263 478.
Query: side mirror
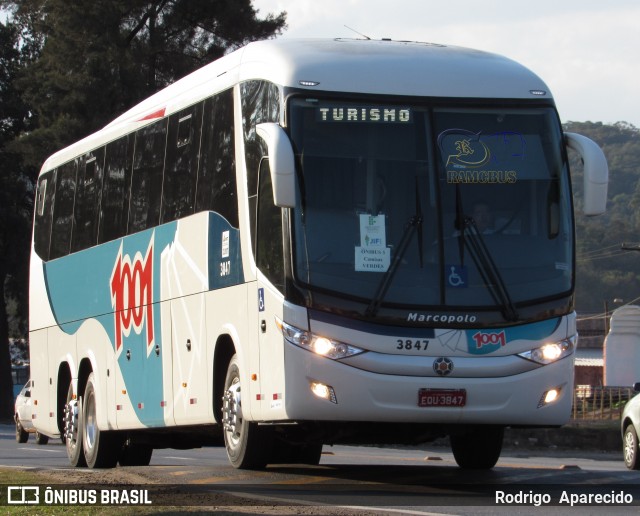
pixel 596 173
pixel 281 163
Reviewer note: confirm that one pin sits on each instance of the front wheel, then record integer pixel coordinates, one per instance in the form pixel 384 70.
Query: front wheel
pixel 248 445
pixel 630 448
pixel 479 448
pixel 22 435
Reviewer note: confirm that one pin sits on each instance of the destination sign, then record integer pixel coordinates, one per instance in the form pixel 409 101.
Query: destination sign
pixel 369 114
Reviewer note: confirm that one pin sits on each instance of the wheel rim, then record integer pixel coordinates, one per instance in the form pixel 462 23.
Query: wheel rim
pixel 232 413
pixel 629 447
pixel 71 424
pixel 90 428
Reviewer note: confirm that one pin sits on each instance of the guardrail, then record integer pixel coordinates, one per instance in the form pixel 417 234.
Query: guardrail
pixel 599 403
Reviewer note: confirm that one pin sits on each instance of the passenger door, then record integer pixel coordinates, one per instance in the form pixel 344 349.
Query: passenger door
pixel 271 284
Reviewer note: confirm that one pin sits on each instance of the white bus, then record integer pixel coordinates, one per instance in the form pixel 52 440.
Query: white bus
pixel 306 243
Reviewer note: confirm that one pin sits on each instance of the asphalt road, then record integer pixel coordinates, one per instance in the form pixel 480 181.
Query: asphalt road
pixel 366 479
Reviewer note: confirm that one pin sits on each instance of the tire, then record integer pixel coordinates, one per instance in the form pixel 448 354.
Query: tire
pixel 248 445
pixel 308 454
pixel 133 454
pixel 287 453
pixel 73 425
pixel 22 436
pixel 478 449
pixel 100 448
pixel 630 448
pixel 41 438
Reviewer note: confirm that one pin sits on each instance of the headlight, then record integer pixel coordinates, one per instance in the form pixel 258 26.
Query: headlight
pixel 320 345
pixel 551 352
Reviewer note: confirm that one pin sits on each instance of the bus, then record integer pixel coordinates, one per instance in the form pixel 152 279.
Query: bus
pixel 282 251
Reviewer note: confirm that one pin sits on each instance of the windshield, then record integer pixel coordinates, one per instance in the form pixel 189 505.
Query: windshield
pixel 404 206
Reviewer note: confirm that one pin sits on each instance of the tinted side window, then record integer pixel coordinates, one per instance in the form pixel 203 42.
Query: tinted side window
pixel 217 189
pixel 115 195
pixel 146 181
pixel 260 103
pixel 86 213
pixel 43 208
pixel 183 145
pixel 63 210
pixel 269 251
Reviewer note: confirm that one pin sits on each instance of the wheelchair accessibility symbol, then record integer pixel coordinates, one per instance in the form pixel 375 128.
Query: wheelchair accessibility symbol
pixel 457 277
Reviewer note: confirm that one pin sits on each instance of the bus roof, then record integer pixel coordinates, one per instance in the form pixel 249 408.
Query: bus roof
pixel 401 68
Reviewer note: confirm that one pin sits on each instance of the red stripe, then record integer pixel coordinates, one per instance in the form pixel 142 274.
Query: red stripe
pixel 155 114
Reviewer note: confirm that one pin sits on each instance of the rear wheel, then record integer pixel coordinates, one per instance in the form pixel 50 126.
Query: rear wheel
pixel 479 448
pixel 248 445
pixel 22 435
pixel 100 448
pixel 41 438
pixel 73 428
pixel 133 454
pixel 630 448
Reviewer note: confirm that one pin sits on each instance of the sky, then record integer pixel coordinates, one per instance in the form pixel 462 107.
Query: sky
pixel 586 51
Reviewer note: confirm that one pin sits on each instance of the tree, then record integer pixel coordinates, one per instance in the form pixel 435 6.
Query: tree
pixel 605 272
pixel 78 64
pixel 15 206
pixel 97 59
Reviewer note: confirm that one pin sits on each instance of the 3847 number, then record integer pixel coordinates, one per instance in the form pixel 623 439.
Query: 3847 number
pixel 412 344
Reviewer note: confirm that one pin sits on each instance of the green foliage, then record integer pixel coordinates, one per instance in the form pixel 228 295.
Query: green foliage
pixel 66 69
pixel 93 60
pixel 15 206
pixel 604 272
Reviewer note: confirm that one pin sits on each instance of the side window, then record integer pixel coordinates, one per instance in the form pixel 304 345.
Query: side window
pixel 146 181
pixel 217 189
pixel 260 103
pixel 63 210
pixel 183 146
pixel 42 220
pixel 86 212
pixel 269 250
pixel 115 194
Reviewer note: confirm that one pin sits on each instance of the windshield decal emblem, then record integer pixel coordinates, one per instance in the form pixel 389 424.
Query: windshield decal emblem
pixel 442 366
pixel 458 276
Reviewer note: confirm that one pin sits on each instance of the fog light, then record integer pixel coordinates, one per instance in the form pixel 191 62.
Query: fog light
pixel 549 396
pixel 323 391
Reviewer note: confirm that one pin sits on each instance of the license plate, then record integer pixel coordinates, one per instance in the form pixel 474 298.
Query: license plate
pixel 442 397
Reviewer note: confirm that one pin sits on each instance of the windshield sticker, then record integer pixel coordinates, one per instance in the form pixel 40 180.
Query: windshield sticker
pixel 457 277
pixel 474 158
pixel 369 114
pixel 372 231
pixel 372 255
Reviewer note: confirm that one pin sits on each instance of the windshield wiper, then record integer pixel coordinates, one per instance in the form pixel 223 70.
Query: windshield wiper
pixel 488 269
pixel 414 224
